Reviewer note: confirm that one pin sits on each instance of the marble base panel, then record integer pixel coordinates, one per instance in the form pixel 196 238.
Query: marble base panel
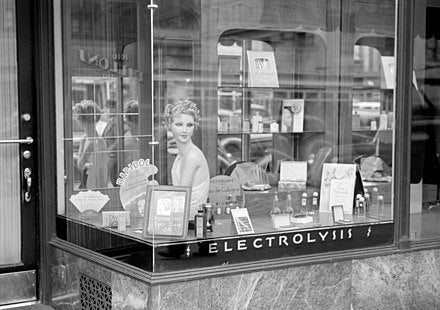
pixel 403 281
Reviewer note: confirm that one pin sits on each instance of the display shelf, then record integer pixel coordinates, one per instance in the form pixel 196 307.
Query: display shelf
pixel 268 132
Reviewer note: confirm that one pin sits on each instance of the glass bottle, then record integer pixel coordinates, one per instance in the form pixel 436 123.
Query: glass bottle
pixel 200 224
pixel 289 208
pixel 275 205
pixel 304 204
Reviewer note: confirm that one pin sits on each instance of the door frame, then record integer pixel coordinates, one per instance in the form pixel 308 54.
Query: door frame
pixel 35 87
pixel 41 14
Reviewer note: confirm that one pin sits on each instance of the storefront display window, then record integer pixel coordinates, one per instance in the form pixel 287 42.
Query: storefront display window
pixel 223 132
pixel 425 149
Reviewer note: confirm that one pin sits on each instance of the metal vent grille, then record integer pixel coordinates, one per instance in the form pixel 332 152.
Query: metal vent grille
pixel 94 294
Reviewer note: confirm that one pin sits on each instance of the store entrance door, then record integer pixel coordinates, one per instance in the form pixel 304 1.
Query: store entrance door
pixel 18 169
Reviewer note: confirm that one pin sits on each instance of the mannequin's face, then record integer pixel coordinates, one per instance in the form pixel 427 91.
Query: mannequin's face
pixel 183 127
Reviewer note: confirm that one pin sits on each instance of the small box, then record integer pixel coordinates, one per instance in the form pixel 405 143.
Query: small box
pixel 288 185
pixel 281 221
pixel 293 175
pixel 111 218
pixel 302 219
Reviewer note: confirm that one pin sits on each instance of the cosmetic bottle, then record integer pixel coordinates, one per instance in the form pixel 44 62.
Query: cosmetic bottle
pixel 256 120
pixel 200 224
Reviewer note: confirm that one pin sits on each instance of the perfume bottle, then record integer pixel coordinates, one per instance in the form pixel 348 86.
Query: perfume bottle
pixel 200 224
pixel 390 124
pixel 274 127
pixel 256 120
pixel 383 120
pixel 218 208
pixel 235 123
pixel 246 125
pixel 361 205
pixel 367 202
pixel 374 197
pixel 275 205
pixel 356 120
pixel 209 216
pixel 315 206
pixel 380 205
pixel 304 204
pixel 289 208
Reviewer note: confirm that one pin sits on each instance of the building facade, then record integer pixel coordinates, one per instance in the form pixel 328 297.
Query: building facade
pixel 194 154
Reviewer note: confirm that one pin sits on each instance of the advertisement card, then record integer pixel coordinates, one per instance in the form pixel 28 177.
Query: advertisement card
pixel 242 221
pixel 262 69
pixel 389 72
pixel 345 175
pixel 340 194
pixel 293 170
pixel 292 115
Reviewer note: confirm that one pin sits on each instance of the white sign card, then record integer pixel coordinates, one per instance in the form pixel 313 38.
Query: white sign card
pixel 262 69
pixel 340 194
pixel 389 72
pixel 293 170
pixel 292 115
pixel 242 221
pixel 345 174
pixel 222 186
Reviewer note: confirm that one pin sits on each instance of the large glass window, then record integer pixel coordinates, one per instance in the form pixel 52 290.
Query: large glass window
pixel 425 148
pixel 228 128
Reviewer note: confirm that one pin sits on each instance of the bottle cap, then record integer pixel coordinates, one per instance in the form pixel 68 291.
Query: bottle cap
pixel 304 194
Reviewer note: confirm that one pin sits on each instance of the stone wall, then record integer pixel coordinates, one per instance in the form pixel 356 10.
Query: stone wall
pixel 400 281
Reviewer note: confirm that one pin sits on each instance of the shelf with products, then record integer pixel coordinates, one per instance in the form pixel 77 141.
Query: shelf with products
pixel 271 103
pixel 269 132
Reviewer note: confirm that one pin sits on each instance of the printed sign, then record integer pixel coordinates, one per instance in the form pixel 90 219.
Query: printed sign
pixel 223 186
pixel 167 211
pixel 134 180
pixel 292 115
pixel 343 177
pixel 262 69
pixel 242 221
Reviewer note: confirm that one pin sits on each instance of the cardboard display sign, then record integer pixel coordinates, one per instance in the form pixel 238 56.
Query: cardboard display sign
pixel 167 211
pixel 223 186
pixel 337 186
pixel 134 180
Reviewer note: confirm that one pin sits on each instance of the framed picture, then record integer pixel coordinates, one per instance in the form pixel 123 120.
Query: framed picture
pixel 338 214
pixel 167 211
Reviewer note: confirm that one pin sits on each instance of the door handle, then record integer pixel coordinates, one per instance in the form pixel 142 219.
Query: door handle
pixel 28 183
pixel 28 140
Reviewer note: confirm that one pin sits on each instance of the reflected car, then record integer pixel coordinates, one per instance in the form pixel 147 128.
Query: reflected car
pixel 367 110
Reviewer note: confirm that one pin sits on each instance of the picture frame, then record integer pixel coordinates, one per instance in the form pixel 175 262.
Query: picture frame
pixel 166 211
pixel 338 214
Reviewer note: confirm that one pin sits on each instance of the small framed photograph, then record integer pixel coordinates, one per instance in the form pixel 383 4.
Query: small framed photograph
pixel 338 214
pixel 167 211
pixel 242 221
